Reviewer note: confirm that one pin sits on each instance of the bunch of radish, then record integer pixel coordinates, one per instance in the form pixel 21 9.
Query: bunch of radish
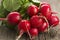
pixel 41 18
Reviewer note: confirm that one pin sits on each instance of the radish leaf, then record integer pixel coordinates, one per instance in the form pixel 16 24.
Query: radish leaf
pixel 12 5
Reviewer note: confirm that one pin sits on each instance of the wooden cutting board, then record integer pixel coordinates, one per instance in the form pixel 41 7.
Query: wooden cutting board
pixel 6 34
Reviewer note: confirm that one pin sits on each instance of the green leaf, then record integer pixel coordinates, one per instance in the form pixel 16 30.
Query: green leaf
pixel 12 5
pixel 36 2
pixel 27 4
pixel 3 11
pixel 0 23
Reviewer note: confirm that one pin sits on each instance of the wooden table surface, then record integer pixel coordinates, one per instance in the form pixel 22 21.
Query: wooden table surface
pixel 6 34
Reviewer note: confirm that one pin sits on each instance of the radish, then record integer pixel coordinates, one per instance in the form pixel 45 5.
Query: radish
pixel 34 31
pixel 36 21
pixel 45 3
pixel 13 18
pixel 32 10
pixel 43 27
pixel 46 11
pixel 54 20
pixel 23 26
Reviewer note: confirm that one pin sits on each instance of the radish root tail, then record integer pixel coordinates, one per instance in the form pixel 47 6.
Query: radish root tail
pixel 21 33
pixel 28 33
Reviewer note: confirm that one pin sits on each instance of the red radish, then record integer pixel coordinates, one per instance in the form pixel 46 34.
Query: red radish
pixel 34 32
pixel 45 3
pixel 36 21
pixel 46 11
pixel 43 27
pixel 32 10
pixel 23 26
pixel 54 20
pixel 13 18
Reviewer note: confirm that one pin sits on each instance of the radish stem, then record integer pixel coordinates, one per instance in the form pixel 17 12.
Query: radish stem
pixel 54 12
pixel 21 33
pixel 28 32
pixel 1 19
pixel 33 37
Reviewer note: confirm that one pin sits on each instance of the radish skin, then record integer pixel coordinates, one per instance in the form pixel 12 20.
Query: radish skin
pixel 25 26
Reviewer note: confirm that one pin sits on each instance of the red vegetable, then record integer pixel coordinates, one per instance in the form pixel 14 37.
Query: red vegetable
pixel 45 3
pixel 54 20
pixel 23 26
pixel 36 21
pixel 32 10
pixel 43 27
pixel 46 11
pixel 34 32
pixel 13 18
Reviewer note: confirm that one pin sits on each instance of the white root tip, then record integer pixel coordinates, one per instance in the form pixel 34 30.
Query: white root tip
pixel 18 37
pixel 21 33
